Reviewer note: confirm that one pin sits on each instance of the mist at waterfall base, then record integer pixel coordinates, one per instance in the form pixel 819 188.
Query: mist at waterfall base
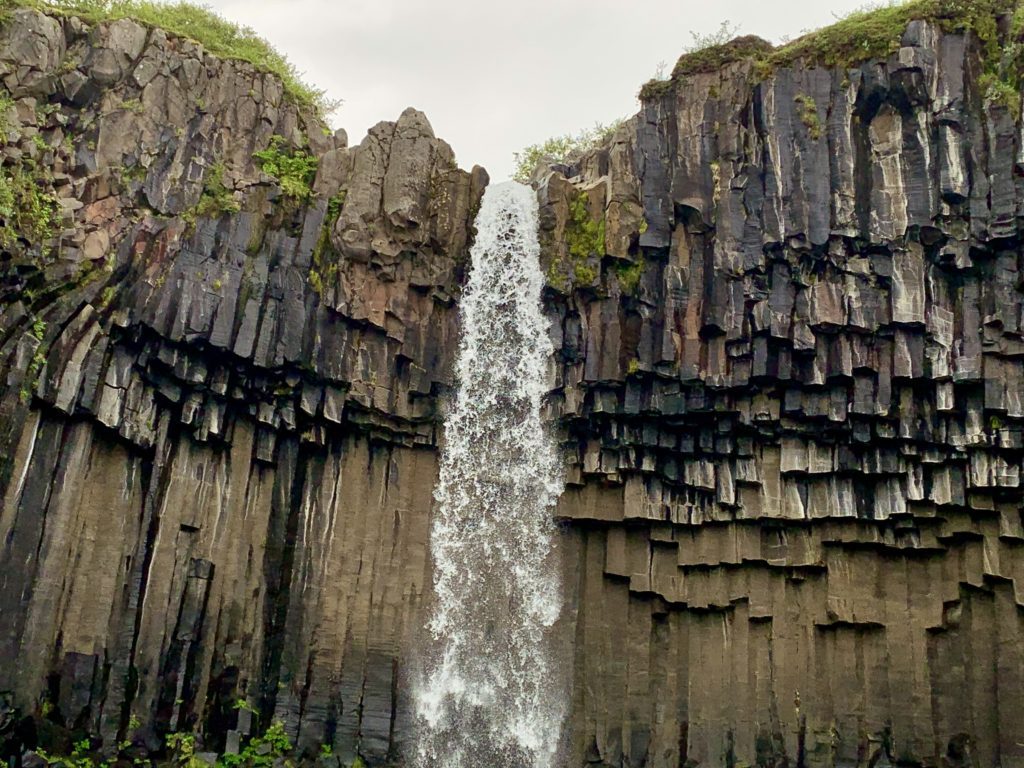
pixel 491 693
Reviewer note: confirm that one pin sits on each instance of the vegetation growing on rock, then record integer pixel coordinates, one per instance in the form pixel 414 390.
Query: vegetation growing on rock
pixel 294 169
pixel 584 239
pixel 27 210
pixel 215 33
pixel 325 258
pixel 216 198
pixel 809 114
pixel 561 149
pixel 870 33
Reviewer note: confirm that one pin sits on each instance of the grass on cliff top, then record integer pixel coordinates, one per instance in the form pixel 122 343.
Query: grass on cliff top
pixel 216 34
pixel 870 33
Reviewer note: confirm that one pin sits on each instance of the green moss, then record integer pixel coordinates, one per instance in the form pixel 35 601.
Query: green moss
pixel 633 368
pixel 584 240
pixel 629 276
pixel 36 365
pixel 216 198
pixel 867 34
pixel 294 169
pixel 325 258
pixel 714 57
pixel 583 235
pixel 6 104
pixel 875 33
pixel 216 34
pixel 809 115
pixel 656 89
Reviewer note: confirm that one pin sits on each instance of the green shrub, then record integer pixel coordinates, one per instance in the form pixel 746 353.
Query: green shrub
pixel 561 149
pixel 26 208
pixel 295 170
pixel 261 751
pixel 216 34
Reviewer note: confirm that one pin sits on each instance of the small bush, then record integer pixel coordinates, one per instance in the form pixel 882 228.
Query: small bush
pixel 295 170
pixel 261 751
pixel 561 149
pixel 26 209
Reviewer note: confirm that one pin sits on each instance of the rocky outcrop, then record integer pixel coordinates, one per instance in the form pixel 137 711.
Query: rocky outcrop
pixel 788 315
pixel 789 386
pixel 219 405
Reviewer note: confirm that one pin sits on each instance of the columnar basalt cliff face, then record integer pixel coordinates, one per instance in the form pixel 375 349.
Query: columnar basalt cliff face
pixel 789 322
pixel 791 395
pixel 219 403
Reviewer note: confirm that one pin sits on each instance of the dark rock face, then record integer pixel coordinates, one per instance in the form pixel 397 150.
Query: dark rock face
pixel 788 316
pixel 791 398
pixel 217 470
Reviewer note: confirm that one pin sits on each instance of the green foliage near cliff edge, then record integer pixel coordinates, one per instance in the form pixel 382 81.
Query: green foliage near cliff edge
pixel 561 149
pixel 871 33
pixel 294 169
pixel 216 34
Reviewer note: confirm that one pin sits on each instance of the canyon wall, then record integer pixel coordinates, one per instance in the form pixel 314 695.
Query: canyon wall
pixel 219 401
pixel 788 314
pixel 791 397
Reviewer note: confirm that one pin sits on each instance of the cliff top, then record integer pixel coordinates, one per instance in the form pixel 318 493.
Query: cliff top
pixel 861 36
pixel 216 34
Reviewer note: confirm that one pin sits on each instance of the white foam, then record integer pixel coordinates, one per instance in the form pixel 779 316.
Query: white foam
pixel 489 695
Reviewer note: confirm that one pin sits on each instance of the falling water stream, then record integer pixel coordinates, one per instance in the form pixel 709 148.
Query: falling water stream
pixel 490 694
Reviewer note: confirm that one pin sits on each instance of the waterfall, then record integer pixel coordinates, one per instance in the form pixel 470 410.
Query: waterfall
pixel 490 694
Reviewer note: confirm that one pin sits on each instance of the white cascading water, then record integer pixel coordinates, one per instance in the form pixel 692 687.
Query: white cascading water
pixel 491 693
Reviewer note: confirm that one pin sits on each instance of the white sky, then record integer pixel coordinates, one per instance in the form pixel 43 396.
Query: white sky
pixel 494 77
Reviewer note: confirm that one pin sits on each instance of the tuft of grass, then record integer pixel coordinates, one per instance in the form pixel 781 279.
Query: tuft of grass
pixel 873 32
pixel 713 58
pixel 708 53
pixel 809 115
pixel 216 34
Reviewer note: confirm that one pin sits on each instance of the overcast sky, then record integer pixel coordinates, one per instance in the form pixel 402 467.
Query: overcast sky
pixel 494 77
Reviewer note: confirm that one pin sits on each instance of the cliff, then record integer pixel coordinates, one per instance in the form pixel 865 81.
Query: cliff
pixel 219 396
pixel 791 389
pixel 788 313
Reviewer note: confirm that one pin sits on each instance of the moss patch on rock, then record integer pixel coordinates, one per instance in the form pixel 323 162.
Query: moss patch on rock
pixel 216 34
pixel 873 34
